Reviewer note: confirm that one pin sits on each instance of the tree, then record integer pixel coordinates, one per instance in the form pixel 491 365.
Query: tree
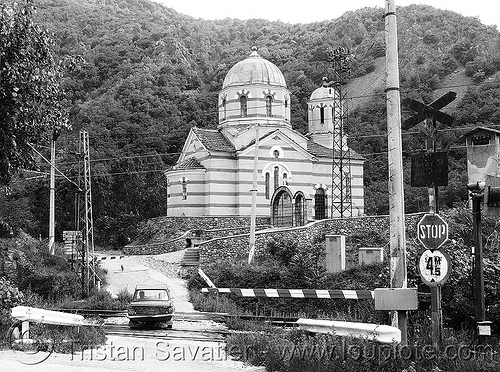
pixel 31 100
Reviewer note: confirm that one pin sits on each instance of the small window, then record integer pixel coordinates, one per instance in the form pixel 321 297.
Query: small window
pixel 322 115
pixel 268 177
pixel 184 188
pixel 243 106
pixel 276 154
pixel 276 177
pixel 285 179
pixel 269 108
pixel 224 108
pixel 286 102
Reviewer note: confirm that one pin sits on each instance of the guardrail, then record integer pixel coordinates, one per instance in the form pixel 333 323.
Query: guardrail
pixel 381 333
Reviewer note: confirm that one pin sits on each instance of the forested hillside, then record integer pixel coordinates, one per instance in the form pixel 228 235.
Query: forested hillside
pixel 147 74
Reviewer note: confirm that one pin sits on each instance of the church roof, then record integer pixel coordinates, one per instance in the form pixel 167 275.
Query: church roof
pixel 254 70
pixel 322 151
pixel 189 163
pixel 213 140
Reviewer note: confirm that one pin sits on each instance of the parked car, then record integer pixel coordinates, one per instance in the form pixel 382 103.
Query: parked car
pixel 151 305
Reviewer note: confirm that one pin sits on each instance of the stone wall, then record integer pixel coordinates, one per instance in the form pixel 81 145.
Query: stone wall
pixel 168 234
pixel 220 249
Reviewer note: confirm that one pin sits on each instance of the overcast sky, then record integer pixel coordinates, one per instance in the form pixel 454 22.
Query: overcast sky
pixel 308 11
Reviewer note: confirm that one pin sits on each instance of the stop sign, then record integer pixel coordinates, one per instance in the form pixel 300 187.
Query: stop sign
pixel 432 231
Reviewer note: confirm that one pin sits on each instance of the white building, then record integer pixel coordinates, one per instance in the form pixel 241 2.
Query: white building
pixel 214 173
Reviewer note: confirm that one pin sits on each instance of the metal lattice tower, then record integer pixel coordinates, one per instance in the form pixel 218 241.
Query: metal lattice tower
pixel 341 162
pixel 85 219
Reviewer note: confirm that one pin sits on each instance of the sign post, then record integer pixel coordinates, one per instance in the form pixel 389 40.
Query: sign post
pixel 434 266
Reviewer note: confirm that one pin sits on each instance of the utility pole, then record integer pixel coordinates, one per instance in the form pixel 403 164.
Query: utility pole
pixel 86 218
pixel 341 157
pixel 254 198
pixel 396 195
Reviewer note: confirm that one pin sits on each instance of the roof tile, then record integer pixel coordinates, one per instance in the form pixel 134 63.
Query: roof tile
pixel 214 140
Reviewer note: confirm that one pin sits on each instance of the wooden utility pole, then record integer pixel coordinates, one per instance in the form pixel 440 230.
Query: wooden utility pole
pixel 396 196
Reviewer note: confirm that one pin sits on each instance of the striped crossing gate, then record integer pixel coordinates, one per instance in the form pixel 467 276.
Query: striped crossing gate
pixel 294 293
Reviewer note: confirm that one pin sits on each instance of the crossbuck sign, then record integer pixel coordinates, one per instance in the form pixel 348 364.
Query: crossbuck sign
pixel 432 231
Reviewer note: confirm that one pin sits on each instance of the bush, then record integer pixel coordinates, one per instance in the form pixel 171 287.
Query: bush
pixel 9 298
pixel 50 276
pixel 101 300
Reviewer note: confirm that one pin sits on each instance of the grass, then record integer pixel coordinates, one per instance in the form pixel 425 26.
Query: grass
pixel 298 351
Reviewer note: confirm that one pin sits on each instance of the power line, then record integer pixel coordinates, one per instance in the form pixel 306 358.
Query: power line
pixel 453 148
pixel 371 95
pixel 123 158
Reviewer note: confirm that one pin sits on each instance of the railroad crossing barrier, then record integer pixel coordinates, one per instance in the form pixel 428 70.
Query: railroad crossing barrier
pixel 31 314
pixel 295 293
pixel 381 333
pixel 206 278
pixel 100 258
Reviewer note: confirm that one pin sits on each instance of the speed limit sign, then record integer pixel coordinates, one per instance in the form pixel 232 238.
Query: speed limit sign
pixel 434 267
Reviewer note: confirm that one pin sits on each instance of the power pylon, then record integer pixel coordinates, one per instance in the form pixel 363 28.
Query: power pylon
pixel 85 220
pixel 341 162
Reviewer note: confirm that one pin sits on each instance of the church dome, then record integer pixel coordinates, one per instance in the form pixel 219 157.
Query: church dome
pixel 323 92
pixel 254 70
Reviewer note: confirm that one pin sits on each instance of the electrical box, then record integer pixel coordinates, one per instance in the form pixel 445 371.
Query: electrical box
pixel 396 299
pixel 335 253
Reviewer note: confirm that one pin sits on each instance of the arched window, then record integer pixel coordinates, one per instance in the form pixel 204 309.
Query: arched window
pixel 320 204
pixel 299 210
pixel 322 115
pixel 224 107
pixel 269 108
pixel 276 177
pixel 268 180
pixel 285 179
pixel 243 106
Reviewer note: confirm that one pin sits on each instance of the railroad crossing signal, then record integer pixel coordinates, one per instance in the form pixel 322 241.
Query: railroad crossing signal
pixel 430 111
pixel 432 231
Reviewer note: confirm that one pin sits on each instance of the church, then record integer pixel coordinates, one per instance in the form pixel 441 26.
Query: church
pixel 255 143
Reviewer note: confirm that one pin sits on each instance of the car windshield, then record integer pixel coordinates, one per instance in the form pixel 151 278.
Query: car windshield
pixel 151 295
